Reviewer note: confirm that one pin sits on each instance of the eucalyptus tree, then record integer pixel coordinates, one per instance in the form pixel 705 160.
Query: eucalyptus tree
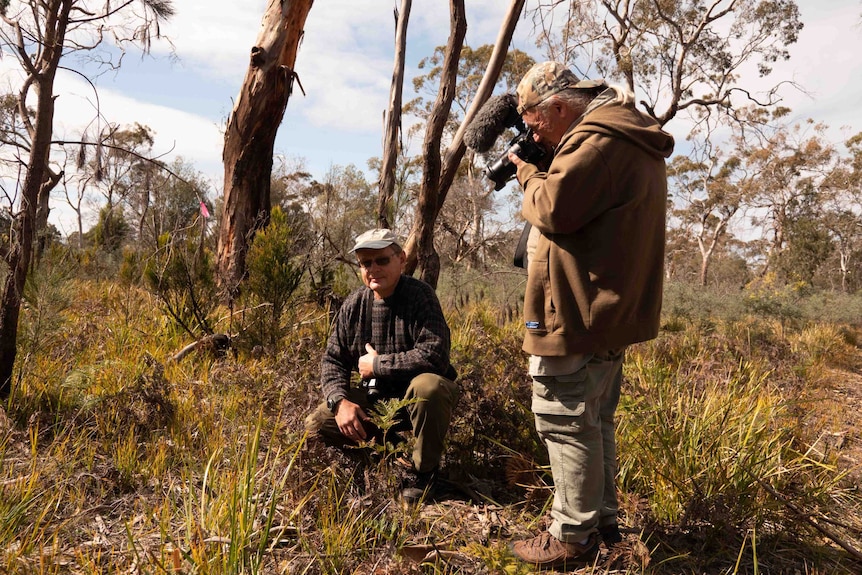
pixel 708 190
pixel 441 166
pixel 115 164
pixel 707 61
pixel 39 35
pixel 464 219
pixel 250 136
pixel 337 210
pixel 676 55
pixel 842 214
pixel 166 200
pixel 789 167
pixel 124 152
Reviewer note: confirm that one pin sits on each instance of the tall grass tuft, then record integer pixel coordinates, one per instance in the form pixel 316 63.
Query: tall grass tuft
pixel 236 519
pixel 697 445
pixel 708 435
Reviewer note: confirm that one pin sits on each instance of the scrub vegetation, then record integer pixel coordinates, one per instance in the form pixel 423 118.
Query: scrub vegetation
pixel 739 442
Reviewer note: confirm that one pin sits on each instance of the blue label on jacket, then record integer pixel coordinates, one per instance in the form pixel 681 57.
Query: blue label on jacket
pixel 532 325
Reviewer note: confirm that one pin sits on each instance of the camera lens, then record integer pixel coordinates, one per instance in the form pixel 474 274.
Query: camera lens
pixel 502 170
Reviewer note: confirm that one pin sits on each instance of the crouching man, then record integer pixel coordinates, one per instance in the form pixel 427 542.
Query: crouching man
pixel 393 333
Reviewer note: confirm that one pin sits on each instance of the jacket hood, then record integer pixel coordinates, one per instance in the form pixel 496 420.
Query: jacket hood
pixel 640 129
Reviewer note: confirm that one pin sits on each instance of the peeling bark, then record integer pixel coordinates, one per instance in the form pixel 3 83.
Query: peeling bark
pixel 250 136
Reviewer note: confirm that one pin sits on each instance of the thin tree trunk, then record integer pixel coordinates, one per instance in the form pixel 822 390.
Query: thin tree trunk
pixel 391 144
pixel 21 243
pixel 704 269
pixel 420 245
pixel 250 136
pixel 706 252
pixel 429 193
pixel 43 210
pixel 844 256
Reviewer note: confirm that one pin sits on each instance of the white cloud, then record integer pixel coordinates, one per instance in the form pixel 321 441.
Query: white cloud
pixel 213 36
pixel 178 133
pixel 826 63
pixel 345 65
pixel 346 57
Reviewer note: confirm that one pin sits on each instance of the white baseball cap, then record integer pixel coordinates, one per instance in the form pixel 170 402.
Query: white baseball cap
pixel 374 240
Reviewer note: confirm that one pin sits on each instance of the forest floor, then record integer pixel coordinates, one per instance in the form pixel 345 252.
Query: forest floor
pixel 103 522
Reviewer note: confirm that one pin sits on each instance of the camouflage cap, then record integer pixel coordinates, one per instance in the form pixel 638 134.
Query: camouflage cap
pixel 546 79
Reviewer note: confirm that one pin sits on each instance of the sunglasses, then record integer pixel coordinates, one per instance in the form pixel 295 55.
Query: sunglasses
pixel 382 261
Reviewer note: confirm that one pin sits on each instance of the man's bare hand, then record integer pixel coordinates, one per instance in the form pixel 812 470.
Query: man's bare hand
pixel 350 418
pixel 515 159
pixel 366 362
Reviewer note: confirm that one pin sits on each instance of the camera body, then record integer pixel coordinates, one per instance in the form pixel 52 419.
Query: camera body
pixel 371 388
pixel 523 146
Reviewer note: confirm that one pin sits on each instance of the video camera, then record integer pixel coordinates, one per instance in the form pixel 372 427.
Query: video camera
pixel 523 146
pixel 498 114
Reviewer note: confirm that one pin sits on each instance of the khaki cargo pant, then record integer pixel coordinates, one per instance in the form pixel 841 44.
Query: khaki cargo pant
pixel 574 416
pixel 429 418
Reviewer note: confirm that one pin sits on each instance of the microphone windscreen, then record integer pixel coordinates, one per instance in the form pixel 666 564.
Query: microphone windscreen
pixel 498 113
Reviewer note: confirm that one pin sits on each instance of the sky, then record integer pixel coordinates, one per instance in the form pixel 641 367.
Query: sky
pixel 185 89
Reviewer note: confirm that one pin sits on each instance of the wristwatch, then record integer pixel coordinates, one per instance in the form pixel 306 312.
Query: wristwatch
pixel 332 404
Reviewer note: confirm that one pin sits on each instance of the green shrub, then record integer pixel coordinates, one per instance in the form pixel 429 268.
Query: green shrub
pixel 181 275
pixel 276 266
pixel 493 420
pixel 47 294
pixel 707 430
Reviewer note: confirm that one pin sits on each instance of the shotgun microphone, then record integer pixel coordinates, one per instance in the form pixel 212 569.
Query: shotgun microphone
pixel 498 113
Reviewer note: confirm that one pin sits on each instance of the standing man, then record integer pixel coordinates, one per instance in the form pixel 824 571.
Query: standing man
pixel 594 286
pixel 393 333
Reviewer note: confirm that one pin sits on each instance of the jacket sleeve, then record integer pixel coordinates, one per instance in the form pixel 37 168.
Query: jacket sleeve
pixel 338 361
pixel 576 188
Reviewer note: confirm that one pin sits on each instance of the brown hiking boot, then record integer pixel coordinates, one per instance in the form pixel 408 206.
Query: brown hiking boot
pixel 548 552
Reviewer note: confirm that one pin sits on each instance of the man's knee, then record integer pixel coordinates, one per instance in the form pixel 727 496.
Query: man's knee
pixel 316 420
pixel 425 385
pixel 430 386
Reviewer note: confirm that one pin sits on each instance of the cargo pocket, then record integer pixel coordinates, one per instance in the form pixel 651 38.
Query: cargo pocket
pixel 560 394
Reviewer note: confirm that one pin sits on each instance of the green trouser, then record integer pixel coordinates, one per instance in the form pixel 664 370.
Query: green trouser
pixel 575 418
pixel 429 418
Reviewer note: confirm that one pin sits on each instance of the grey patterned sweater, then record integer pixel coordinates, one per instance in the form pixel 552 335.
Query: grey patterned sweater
pixel 407 329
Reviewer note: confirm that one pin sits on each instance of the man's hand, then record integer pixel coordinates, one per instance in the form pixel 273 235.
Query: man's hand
pixel 350 418
pixel 515 159
pixel 366 362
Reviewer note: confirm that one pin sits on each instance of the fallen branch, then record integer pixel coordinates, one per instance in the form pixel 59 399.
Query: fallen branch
pixel 218 343
pixel 810 520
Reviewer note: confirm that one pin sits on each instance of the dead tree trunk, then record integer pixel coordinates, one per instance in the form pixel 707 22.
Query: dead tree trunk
pixel 41 77
pixel 427 207
pixel 250 136
pixel 437 178
pixel 392 144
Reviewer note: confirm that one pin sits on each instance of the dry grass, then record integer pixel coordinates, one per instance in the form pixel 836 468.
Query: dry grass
pixel 118 460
